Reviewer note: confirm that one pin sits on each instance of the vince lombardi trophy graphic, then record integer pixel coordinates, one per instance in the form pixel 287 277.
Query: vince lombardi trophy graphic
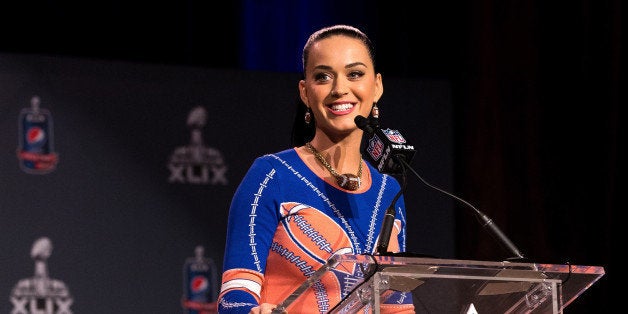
pixel 41 294
pixel 196 162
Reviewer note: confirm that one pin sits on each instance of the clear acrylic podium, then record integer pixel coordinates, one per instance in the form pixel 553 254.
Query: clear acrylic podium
pixel 457 286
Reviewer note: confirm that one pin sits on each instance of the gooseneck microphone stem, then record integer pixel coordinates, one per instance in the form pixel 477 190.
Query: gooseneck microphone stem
pixel 486 221
pixel 398 154
pixel 389 217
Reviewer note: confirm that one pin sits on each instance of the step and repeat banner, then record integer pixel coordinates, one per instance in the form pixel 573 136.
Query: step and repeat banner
pixel 116 177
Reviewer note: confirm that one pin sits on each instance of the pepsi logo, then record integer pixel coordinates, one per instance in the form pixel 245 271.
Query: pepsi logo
pixel 199 283
pixel 35 135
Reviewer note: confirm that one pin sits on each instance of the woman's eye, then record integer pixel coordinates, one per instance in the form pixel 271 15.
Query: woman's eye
pixel 322 77
pixel 356 74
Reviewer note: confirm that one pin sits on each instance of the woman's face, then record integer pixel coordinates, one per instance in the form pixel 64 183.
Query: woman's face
pixel 340 83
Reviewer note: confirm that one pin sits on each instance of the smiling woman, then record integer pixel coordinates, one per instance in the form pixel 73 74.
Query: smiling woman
pixel 321 212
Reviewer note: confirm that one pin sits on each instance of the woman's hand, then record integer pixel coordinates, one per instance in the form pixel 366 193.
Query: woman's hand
pixel 264 308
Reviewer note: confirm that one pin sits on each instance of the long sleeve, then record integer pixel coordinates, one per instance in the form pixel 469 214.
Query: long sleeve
pixel 252 221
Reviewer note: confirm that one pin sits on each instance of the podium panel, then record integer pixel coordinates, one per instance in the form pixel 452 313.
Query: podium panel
pixel 456 286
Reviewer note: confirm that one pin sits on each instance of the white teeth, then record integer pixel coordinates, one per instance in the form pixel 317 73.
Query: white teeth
pixel 341 107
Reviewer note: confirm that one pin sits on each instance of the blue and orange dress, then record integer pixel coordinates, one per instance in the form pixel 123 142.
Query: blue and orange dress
pixel 285 222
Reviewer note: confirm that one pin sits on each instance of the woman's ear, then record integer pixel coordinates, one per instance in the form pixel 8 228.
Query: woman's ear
pixel 302 92
pixel 379 87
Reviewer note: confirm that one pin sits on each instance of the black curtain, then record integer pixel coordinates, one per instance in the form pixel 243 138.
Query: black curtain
pixel 538 141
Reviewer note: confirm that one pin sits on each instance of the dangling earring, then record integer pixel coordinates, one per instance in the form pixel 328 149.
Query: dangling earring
pixel 375 111
pixel 308 116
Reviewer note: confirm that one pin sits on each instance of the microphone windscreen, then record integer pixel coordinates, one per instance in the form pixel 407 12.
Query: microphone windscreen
pixel 363 123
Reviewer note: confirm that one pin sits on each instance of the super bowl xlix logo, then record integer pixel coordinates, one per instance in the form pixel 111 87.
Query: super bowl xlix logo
pixel 41 294
pixel 197 163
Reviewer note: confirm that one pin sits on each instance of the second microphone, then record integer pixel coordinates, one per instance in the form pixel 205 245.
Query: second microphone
pixel 385 147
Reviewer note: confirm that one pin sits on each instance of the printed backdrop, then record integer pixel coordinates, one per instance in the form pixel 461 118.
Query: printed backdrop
pixel 141 165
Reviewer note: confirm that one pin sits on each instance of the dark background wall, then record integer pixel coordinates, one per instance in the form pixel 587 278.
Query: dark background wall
pixel 536 92
pixel 122 213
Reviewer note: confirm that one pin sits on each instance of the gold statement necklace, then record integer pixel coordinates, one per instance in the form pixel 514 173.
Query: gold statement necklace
pixel 347 181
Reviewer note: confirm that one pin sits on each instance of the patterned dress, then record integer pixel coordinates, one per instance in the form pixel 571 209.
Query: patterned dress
pixel 285 222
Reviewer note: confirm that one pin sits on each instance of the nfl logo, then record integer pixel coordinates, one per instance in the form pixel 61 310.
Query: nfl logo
pixel 394 136
pixel 375 147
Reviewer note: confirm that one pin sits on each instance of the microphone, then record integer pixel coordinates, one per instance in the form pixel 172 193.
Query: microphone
pixel 364 124
pixel 386 147
pixel 388 152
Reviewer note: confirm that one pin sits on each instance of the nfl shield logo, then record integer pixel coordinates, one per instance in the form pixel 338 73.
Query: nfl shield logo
pixel 394 136
pixel 375 147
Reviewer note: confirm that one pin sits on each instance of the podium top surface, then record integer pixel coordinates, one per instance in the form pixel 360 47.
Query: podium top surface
pixel 511 287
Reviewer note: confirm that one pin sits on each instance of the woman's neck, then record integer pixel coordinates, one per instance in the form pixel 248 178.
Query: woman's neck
pixel 344 156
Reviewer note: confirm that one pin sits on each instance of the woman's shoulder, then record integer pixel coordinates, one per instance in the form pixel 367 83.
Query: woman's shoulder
pixel 279 163
pixel 287 155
